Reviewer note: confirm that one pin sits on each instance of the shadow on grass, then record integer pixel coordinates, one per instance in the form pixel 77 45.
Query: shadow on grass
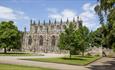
pixel 14 53
pixel 72 58
pixel 111 66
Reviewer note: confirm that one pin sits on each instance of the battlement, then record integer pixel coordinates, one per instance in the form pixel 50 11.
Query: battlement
pixel 55 22
pixel 55 26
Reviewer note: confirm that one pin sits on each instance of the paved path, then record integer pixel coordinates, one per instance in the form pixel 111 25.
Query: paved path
pixel 92 66
pixel 103 64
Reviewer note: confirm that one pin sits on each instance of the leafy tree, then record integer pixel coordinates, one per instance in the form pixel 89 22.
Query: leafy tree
pixel 95 38
pixel 66 40
pixel 82 39
pixel 105 10
pixel 9 35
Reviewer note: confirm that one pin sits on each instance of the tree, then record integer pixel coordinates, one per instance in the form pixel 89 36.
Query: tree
pixel 9 35
pixel 82 39
pixel 105 10
pixel 66 40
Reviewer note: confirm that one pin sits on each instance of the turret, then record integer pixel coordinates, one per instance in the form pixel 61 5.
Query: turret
pixel 73 19
pixel 79 20
pixel 49 21
pixel 61 21
pixel 44 22
pixel 55 21
pixel 24 29
pixel 34 22
pixel 67 20
pixel 30 22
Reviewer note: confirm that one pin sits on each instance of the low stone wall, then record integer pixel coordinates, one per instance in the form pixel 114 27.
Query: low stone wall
pixel 101 52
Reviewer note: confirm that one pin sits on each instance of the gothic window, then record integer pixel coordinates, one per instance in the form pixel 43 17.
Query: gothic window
pixel 64 26
pixel 41 27
pixel 36 29
pixel 53 40
pixel 30 40
pixel 41 41
pixel 52 27
pixel 58 27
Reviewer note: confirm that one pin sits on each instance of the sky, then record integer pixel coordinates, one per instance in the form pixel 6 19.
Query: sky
pixel 22 11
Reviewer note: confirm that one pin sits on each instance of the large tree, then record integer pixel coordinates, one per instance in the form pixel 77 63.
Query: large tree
pixel 74 40
pixel 82 39
pixel 105 10
pixel 9 35
pixel 66 40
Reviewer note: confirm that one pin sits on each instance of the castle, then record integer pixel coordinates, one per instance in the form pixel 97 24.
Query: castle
pixel 43 37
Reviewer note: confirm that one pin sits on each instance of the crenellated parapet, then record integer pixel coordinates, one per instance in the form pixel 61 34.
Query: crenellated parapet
pixel 53 26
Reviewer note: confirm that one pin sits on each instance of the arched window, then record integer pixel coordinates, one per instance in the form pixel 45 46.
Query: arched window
pixel 58 27
pixel 52 27
pixel 53 40
pixel 64 26
pixel 30 40
pixel 41 27
pixel 41 41
pixel 36 28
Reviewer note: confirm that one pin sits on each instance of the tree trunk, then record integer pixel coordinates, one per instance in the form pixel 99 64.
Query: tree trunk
pixel 70 54
pixel 5 50
pixel 82 53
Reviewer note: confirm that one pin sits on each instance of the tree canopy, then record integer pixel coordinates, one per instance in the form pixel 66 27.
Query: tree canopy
pixel 9 35
pixel 74 39
pixel 106 12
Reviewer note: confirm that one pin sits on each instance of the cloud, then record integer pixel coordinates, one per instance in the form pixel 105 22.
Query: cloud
pixel 64 14
pixel 89 17
pixel 52 10
pixel 11 14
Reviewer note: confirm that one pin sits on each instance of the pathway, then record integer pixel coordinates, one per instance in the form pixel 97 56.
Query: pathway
pixel 101 64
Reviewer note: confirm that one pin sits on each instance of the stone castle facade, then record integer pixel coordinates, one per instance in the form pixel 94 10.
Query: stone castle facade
pixel 43 37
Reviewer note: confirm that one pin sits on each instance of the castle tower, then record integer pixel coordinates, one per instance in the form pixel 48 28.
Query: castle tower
pixel 55 21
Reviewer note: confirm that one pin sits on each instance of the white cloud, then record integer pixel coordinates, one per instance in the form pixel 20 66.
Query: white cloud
pixel 10 14
pixel 86 6
pixel 89 17
pixel 66 13
pixel 52 10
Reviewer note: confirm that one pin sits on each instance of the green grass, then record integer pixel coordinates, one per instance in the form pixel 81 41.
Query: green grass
pixel 20 67
pixel 15 54
pixel 75 60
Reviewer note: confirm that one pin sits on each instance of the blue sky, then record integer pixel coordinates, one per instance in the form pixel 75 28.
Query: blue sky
pixel 21 11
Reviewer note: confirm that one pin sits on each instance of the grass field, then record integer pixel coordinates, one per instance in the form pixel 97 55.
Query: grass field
pixel 75 60
pixel 19 67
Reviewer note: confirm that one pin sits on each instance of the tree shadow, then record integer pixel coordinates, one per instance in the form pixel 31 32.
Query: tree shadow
pixel 110 66
pixel 73 58
pixel 86 56
pixel 13 53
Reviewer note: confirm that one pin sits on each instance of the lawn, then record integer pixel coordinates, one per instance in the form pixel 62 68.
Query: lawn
pixel 15 54
pixel 20 67
pixel 75 60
